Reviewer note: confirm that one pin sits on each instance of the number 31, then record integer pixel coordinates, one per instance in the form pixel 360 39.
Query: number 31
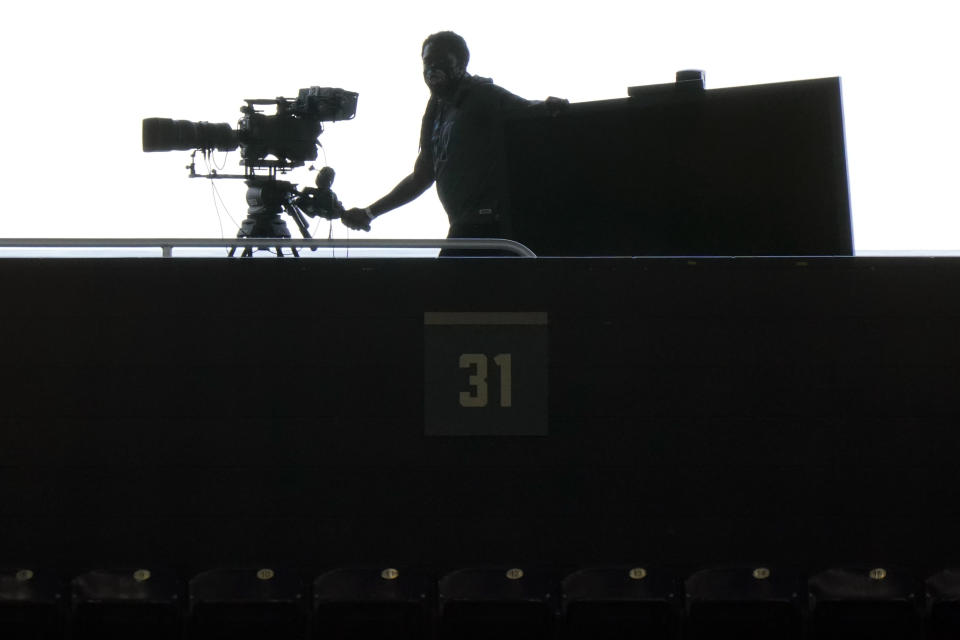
pixel 477 363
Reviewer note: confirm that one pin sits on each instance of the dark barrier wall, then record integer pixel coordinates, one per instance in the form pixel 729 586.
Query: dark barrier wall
pixel 200 413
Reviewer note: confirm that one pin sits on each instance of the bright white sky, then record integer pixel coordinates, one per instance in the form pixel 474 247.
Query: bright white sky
pixel 80 76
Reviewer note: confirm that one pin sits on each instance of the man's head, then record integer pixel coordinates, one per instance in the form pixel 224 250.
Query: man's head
pixel 445 57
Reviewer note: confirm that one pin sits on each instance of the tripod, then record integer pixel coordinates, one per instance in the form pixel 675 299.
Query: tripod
pixel 267 198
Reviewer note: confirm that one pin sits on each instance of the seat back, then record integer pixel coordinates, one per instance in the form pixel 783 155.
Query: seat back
pixel 620 602
pixel 124 603
pixel 877 603
pixel 247 603
pixel 31 604
pixel 750 601
pixel 501 602
pixel 373 603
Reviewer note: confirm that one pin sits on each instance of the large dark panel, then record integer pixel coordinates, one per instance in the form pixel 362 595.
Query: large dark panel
pixel 757 170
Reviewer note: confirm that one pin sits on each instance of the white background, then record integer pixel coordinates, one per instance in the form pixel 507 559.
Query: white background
pixel 80 76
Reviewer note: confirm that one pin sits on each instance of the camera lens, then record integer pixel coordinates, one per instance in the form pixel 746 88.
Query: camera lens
pixel 164 134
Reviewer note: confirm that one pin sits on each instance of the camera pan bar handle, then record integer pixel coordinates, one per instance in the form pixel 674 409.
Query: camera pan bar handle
pixel 294 212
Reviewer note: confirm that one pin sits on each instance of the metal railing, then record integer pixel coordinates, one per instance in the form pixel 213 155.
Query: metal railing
pixel 167 245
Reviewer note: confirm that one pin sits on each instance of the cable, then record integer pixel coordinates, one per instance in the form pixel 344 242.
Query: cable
pixel 218 197
pixel 213 193
pixel 226 155
pixel 226 210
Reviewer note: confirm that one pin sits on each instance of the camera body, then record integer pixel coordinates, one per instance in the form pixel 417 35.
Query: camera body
pixel 291 134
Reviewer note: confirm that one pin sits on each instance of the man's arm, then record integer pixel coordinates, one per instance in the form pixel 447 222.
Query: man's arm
pixel 407 190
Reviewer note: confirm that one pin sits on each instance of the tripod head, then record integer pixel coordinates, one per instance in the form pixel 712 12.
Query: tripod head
pixel 267 197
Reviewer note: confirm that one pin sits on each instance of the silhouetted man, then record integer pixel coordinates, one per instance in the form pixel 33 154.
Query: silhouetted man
pixel 460 145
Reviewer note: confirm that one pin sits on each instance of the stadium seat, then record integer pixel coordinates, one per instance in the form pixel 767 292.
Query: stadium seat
pixel 247 603
pixel 744 602
pixel 141 603
pixel 620 602
pixel 361 603
pixel 861 603
pixel 30 604
pixel 943 605
pixel 501 602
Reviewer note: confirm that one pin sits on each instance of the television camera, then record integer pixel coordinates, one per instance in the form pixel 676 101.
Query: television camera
pixel 269 144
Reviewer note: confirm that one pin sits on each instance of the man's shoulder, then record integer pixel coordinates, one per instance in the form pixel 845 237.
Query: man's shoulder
pixel 485 89
pixel 484 86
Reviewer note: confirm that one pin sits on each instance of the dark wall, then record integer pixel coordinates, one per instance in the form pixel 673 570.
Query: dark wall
pixel 207 412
